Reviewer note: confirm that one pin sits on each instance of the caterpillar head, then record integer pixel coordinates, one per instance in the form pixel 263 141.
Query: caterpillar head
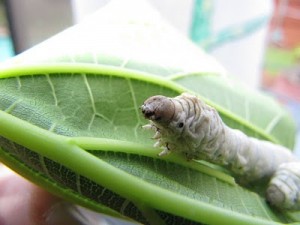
pixel 159 109
pixel 179 122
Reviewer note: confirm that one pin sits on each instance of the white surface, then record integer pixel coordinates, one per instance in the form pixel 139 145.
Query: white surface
pixel 176 12
pixel 242 58
pixel 83 8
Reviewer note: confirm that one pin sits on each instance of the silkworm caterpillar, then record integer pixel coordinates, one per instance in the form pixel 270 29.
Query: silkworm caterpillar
pixel 187 125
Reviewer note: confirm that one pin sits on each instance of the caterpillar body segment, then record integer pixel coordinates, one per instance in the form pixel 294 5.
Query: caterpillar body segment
pixel 186 125
pixel 284 187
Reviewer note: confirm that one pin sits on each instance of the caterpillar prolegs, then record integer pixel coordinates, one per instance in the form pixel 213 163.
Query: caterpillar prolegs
pixel 185 124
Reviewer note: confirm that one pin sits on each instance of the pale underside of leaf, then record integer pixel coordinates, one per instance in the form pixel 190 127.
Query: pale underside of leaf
pixel 87 105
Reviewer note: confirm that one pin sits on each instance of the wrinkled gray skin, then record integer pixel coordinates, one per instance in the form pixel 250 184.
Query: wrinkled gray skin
pixel 186 125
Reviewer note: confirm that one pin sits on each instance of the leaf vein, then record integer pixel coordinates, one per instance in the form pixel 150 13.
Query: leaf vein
pixel 136 107
pixel 90 92
pixel 19 83
pixel 273 123
pixel 78 184
pixel 52 89
pixel 12 106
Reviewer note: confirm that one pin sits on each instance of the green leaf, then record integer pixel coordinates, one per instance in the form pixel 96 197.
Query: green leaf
pixel 70 122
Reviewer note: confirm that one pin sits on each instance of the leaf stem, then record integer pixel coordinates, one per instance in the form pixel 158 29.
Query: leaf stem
pixel 112 145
